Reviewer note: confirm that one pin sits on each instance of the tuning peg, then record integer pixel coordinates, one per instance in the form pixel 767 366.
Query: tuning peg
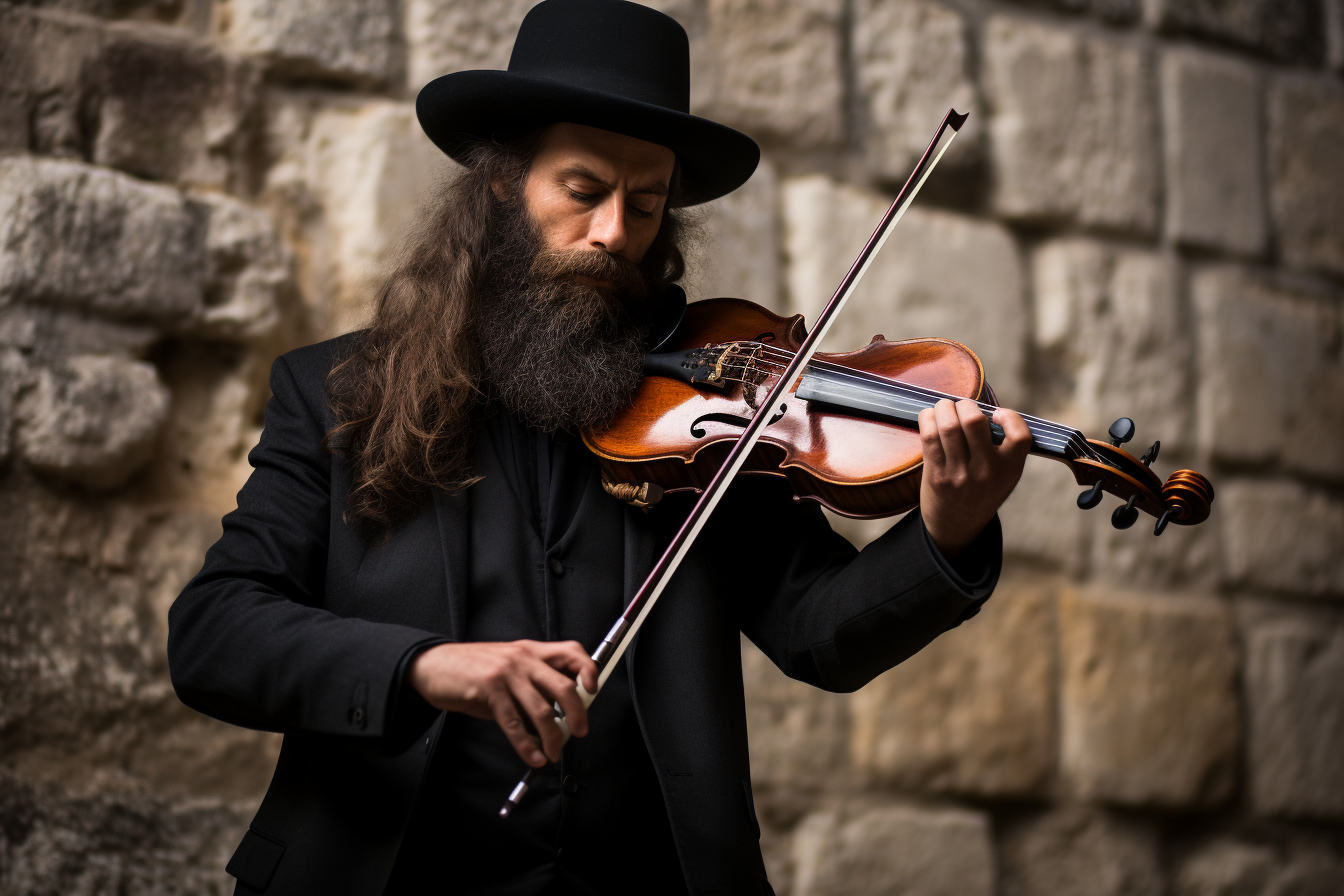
pixel 1090 498
pixel 1150 457
pixel 1125 516
pixel 1121 431
pixel 1162 522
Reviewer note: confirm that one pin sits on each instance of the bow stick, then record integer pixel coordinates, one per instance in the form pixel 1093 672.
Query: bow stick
pixel 614 645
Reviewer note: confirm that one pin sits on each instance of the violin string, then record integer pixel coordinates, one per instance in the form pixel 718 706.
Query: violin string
pixel 1050 433
pixel 888 384
pixel 1050 440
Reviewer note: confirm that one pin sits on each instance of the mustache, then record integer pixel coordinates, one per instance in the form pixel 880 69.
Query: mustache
pixel 618 274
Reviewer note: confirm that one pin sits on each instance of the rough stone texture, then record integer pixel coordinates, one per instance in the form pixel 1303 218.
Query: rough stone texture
pixel 445 36
pixel 1078 851
pixel 1281 536
pixel 1271 376
pixel 973 712
pixel 740 251
pixel 51 846
pixel 79 236
pixel 93 420
pixel 1235 868
pixel 1073 127
pixel 1039 518
pixel 918 286
pixel 41 60
pixel 1295 707
pixel 1306 128
pixel 798 734
pixel 350 40
pixel 910 65
pixel 352 176
pixel 1112 327
pixel 1287 29
pixel 895 849
pixel 1334 34
pixel 1212 127
pixel 1148 706
pixel 247 272
pixel 777 68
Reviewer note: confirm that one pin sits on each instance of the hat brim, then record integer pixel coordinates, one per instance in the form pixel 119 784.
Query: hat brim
pixel 463 108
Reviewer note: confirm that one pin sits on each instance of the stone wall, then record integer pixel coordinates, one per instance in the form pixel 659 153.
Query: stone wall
pixel 1144 216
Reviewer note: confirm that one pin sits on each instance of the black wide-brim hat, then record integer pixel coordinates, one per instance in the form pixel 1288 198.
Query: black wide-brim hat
pixel 609 64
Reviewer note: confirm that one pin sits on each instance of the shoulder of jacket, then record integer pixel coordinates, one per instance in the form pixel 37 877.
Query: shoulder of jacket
pixel 311 364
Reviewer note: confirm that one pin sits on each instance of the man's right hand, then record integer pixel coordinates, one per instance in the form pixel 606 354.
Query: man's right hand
pixel 503 681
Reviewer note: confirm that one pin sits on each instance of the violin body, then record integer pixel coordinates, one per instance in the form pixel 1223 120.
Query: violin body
pixel 677 435
pixel 845 434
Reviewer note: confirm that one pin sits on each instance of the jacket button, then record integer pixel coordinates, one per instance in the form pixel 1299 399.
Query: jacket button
pixel 357 717
pixel 557 568
pixel 571 784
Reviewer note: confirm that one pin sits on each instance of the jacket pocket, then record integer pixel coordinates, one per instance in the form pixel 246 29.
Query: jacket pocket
pixel 255 860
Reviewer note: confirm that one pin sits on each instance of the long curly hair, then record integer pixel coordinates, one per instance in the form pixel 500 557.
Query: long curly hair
pixel 405 394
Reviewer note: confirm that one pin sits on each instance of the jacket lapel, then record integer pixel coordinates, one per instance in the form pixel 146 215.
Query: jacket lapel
pixel 453 513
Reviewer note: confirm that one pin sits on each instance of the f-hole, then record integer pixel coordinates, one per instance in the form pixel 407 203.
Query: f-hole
pixel 732 420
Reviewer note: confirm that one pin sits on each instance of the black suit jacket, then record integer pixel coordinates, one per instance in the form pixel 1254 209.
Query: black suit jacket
pixel 296 624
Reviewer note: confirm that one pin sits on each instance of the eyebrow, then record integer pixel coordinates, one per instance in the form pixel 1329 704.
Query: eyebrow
pixel 580 170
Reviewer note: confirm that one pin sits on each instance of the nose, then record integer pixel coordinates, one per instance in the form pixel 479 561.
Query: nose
pixel 607 229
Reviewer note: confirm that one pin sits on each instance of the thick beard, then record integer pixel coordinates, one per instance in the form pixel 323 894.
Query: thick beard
pixel 558 353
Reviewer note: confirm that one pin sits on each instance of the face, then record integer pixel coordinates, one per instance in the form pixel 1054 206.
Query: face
pixel 590 189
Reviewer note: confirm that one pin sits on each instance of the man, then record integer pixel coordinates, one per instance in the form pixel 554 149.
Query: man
pixel 425 554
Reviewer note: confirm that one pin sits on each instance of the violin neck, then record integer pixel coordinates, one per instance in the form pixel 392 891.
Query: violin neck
pixel 867 395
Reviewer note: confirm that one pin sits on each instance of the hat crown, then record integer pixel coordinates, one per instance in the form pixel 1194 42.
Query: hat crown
pixel 610 46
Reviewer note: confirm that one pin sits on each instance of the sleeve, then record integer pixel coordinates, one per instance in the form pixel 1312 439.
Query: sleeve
pixel 835 617
pixel 248 642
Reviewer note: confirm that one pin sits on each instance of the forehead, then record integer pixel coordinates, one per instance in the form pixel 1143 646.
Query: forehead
pixel 614 157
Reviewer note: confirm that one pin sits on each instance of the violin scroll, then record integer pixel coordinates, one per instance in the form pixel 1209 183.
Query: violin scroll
pixel 1183 499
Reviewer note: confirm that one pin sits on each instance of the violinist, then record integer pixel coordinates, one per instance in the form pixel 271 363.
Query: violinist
pixel 424 555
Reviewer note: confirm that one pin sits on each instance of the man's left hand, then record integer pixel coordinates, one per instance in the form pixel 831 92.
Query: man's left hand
pixel 966 476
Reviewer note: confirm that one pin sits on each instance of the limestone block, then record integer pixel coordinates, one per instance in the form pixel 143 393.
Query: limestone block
pixel 354 40
pixel 1281 536
pixel 85 237
pixel 356 174
pixel 1306 128
pixel 942 275
pixel 115 843
pixel 94 420
pixel 894 849
pixel 445 36
pixel 1078 852
pixel 1184 557
pixel 1148 707
pixel 798 734
pixel 973 712
pixel 1040 518
pixel 777 68
pixel 1295 707
pixel 910 59
pixel 740 249
pixel 1271 378
pixel 169 110
pixel 247 271
pixel 42 58
pixel 1211 124
pixel 14 376
pixel 1073 132
pixel 1287 29
pixel 1235 868
pixel 1111 326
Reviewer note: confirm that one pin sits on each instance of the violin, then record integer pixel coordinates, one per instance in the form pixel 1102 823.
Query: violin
pixel 846 434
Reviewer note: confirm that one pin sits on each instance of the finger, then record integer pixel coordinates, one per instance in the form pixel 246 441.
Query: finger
pixel 975 427
pixel 569 656
pixel 511 723
pixel 1017 438
pixel 560 688
pixel 951 435
pixel 932 446
pixel 542 715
